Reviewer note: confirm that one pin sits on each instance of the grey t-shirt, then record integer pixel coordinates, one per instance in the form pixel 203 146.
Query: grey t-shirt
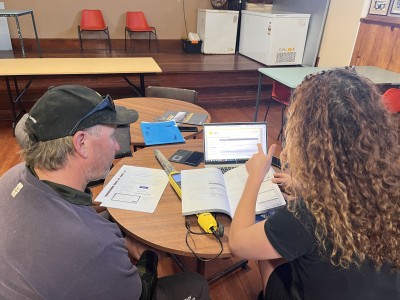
pixel 54 249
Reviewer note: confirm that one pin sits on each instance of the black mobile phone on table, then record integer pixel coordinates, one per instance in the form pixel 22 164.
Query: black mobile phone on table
pixel 188 129
pixel 194 159
pixel 187 157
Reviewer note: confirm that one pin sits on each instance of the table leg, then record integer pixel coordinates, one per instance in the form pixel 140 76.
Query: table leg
pixel 258 97
pixel 201 267
pixel 20 36
pixel 15 115
pixel 241 264
pixel 142 84
pixel 138 91
pixel 178 262
pixel 18 99
pixel 13 111
pixel 37 38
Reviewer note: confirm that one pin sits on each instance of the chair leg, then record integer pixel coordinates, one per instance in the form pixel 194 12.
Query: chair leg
pixel 280 135
pixel 155 35
pixel 125 38
pixel 149 39
pixel 80 37
pixel 109 40
pixel 130 39
pixel 266 113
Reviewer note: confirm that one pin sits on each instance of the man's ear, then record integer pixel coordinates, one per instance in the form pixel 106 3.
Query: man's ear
pixel 79 141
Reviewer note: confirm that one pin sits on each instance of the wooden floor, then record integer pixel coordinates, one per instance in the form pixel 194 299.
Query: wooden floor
pixel 242 284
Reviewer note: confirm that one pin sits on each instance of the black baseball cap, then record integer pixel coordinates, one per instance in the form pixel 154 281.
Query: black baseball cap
pixel 64 110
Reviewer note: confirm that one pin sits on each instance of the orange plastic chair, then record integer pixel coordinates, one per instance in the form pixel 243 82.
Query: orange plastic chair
pixel 391 100
pixel 280 93
pixel 92 20
pixel 136 22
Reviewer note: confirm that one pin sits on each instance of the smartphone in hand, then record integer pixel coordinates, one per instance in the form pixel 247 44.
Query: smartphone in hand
pixel 276 162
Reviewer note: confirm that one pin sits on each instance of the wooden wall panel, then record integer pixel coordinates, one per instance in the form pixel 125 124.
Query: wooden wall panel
pixel 394 64
pixel 377 45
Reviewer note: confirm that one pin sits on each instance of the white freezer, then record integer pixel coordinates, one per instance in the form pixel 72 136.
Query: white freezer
pixel 217 29
pixel 5 39
pixel 273 38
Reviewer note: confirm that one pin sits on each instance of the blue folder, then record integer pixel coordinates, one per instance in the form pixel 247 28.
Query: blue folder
pixel 157 133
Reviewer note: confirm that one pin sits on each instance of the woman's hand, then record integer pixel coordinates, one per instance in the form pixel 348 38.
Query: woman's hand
pixel 258 165
pixel 282 178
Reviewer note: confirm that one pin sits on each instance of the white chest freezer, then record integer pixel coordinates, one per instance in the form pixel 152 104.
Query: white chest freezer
pixel 5 39
pixel 273 38
pixel 217 29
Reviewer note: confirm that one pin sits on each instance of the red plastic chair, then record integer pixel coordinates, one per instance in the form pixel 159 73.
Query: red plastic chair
pixel 280 93
pixel 136 22
pixel 92 20
pixel 391 100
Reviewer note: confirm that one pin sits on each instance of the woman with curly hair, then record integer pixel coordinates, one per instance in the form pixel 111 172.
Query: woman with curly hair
pixel 339 236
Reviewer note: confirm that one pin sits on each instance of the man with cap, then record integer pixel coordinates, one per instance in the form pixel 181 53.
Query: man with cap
pixel 53 243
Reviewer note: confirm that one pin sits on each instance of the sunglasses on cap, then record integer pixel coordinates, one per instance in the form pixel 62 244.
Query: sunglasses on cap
pixel 106 103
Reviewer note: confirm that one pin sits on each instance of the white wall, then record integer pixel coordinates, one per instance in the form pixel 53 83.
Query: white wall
pixel 5 41
pixel 60 18
pixel 340 32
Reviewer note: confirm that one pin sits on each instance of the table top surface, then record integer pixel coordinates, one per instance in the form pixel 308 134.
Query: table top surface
pixel 165 228
pixel 11 12
pixel 151 108
pixel 77 66
pixel 293 76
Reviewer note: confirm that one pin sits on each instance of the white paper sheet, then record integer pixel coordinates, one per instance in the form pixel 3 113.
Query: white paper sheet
pixel 208 189
pixel 134 188
pixel 202 189
pixel 269 195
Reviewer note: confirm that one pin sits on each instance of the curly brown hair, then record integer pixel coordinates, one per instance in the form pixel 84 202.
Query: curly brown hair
pixel 342 147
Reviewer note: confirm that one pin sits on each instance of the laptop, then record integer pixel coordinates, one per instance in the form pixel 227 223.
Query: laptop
pixel 229 145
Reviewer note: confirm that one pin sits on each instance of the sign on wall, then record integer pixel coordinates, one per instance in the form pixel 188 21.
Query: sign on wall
pixel 379 7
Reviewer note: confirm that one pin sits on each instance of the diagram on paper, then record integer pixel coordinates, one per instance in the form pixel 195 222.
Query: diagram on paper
pixel 134 188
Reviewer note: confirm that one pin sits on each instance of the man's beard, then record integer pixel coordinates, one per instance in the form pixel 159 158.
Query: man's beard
pixel 100 171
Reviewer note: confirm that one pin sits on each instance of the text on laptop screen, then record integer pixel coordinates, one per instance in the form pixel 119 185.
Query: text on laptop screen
pixel 233 141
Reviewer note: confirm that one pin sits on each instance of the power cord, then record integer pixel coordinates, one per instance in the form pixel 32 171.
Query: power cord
pixel 184 16
pixel 215 233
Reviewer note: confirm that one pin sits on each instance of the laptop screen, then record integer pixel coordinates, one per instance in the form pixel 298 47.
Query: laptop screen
pixel 233 142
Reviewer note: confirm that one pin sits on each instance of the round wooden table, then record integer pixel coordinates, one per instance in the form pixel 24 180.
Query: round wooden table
pixel 151 108
pixel 165 228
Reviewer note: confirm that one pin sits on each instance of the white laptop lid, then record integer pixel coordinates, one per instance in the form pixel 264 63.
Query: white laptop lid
pixel 227 144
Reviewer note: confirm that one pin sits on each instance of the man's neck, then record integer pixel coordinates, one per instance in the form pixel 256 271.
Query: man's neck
pixel 65 176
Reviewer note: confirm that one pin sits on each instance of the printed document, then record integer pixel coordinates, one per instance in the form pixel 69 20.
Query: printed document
pixel 208 190
pixel 183 117
pixel 134 188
